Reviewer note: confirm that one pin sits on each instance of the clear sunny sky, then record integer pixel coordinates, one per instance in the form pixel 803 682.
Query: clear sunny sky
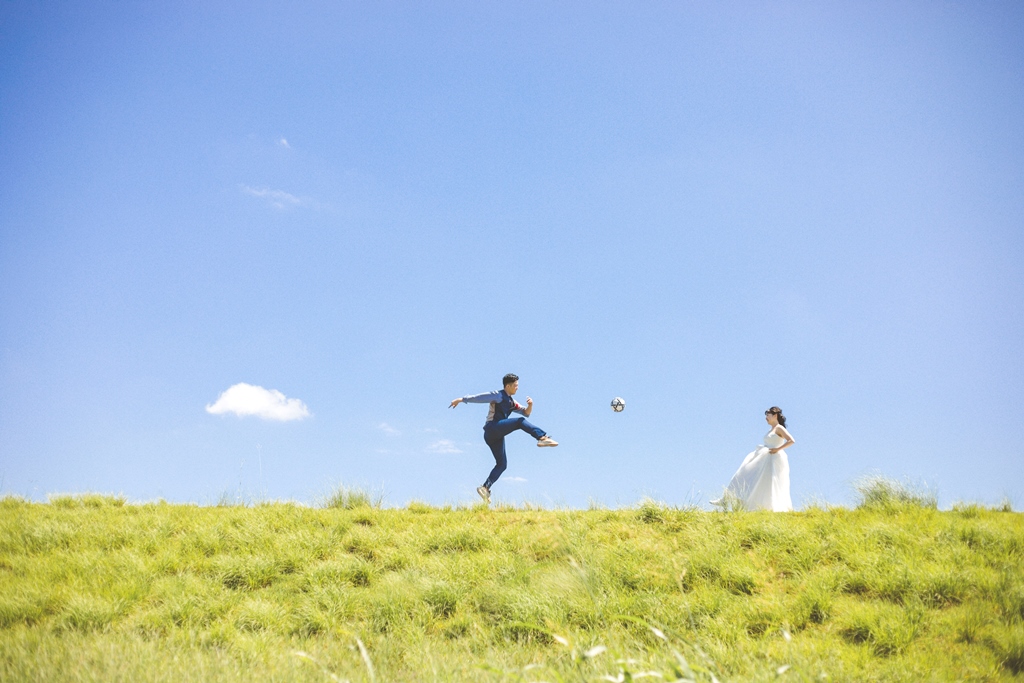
pixel 371 208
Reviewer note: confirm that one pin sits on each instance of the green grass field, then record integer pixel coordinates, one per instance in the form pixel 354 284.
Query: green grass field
pixel 95 589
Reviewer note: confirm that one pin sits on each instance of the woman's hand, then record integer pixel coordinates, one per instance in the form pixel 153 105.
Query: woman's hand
pixel 455 402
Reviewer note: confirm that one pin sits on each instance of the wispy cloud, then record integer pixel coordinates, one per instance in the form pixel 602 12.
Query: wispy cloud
pixel 277 198
pixel 443 446
pixel 284 143
pixel 388 429
pixel 269 404
pixel 514 480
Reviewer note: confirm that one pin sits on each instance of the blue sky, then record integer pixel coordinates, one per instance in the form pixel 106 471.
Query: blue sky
pixel 373 208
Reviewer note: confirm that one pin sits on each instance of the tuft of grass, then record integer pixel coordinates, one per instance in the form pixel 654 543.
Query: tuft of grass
pixel 882 493
pixel 970 626
pixel 88 613
pixel 968 510
pixel 251 573
pixel 91 500
pixel 815 602
pixel 739 579
pixel 764 617
pixel 887 629
pixel 443 600
pixel 26 608
pixel 1010 649
pixel 465 540
pixel 10 501
pixel 350 498
pixel 651 512
pixel 1009 597
pixel 228 500
pixel 261 614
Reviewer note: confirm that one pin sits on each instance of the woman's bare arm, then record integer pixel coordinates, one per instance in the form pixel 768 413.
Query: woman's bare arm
pixel 781 431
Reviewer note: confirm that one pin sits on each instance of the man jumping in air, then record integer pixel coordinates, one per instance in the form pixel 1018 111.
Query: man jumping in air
pixel 500 424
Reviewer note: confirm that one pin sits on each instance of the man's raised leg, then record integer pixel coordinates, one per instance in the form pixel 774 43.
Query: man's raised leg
pixel 511 424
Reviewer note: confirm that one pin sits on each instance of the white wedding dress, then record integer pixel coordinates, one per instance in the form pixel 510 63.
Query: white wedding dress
pixel 762 481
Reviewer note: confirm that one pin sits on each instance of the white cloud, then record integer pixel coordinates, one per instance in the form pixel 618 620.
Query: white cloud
pixel 388 429
pixel 246 399
pixel 514 480
pixel 443 446
pixel 277 198
pixel 284 143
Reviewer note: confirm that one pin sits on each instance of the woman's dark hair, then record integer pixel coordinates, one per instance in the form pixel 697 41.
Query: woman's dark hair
pixel 777 412
pixel 508 379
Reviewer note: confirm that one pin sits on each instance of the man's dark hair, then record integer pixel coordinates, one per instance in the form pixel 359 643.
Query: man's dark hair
pixel 508 379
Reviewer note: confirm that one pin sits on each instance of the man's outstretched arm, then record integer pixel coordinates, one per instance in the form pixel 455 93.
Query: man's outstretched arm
pixel 489 397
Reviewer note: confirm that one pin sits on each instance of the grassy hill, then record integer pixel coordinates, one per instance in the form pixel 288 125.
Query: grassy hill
pixel 92 588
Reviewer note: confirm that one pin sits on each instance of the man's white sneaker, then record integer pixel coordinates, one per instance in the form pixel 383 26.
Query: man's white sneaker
pixel 546 441
pixel 485 493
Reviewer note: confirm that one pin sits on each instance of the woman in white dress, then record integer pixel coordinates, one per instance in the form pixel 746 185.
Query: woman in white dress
pixel 762 481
